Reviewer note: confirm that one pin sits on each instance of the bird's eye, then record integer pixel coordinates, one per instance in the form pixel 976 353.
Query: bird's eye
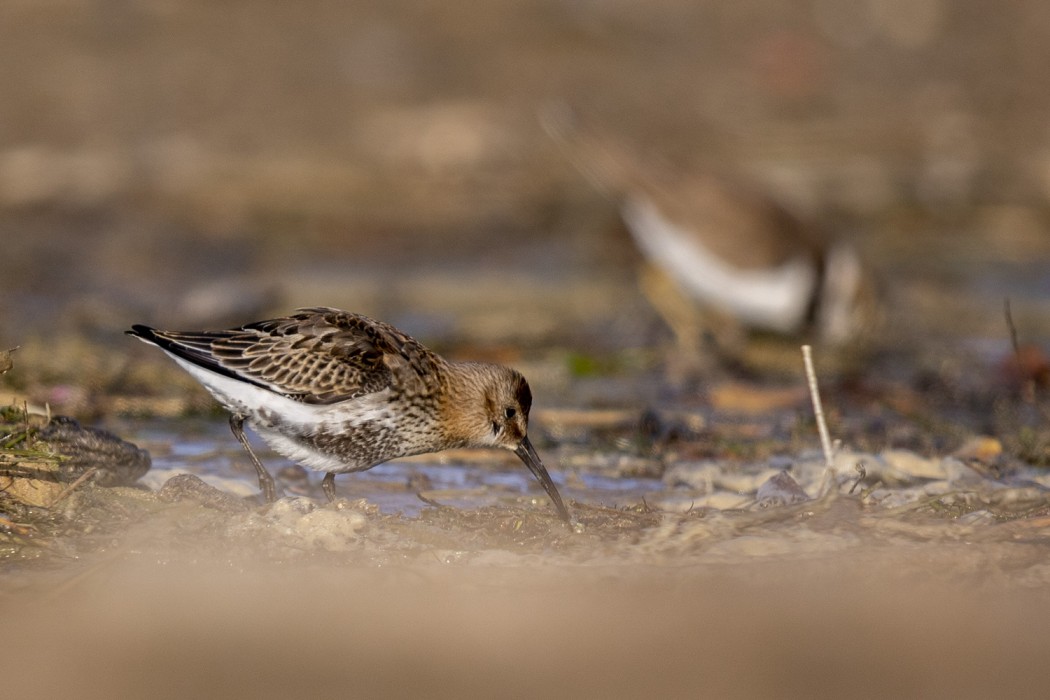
pixel 510 412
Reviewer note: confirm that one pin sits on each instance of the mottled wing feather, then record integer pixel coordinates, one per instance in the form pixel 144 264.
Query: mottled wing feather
pixel 317 355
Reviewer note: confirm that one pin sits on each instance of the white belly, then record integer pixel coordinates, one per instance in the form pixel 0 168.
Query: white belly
pixel 281 422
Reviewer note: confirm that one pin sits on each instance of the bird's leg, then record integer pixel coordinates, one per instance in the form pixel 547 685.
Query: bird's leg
pixel 265 480
pixel 328 486
pixel 674 307
pixel 704 338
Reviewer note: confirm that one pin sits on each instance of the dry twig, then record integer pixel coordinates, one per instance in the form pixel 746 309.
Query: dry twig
pixel 818 409
pixel 72 487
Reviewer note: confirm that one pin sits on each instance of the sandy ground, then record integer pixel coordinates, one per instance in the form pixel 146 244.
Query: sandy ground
pixel 855 623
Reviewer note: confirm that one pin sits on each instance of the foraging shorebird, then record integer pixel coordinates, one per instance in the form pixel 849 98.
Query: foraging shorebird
pixel 340 392
pixel 728 250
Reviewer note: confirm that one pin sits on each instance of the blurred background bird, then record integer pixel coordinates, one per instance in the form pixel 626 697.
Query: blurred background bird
pixel 733 271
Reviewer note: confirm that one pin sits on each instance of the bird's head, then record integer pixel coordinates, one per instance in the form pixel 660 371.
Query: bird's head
pixel 491 406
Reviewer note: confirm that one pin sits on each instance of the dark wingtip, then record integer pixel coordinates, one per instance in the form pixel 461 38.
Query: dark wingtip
pixel 140 331
pixel 180 350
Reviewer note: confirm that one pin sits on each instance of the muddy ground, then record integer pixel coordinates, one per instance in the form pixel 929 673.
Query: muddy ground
pixel 190 165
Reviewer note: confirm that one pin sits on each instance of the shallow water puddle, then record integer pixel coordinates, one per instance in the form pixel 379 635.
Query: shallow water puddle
pixel 477 507
pixel 210 452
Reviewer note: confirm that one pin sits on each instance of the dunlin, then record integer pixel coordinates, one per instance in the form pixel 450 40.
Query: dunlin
pixel 340 392
pixel 723 245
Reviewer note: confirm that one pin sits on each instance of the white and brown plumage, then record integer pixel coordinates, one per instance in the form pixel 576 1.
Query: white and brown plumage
pixel 724 245
pixel 340 392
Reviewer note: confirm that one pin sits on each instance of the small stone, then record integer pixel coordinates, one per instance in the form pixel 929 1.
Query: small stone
pixel 981 449
pixel 708 475
pixel 780 490
pixel 189 487
pixel 913 465
pixel 300 520
pixel 960 475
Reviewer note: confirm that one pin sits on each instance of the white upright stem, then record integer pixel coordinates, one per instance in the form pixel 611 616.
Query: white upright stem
pixel 818 409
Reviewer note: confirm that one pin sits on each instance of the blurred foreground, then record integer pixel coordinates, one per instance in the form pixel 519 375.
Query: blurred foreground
pixel 845 624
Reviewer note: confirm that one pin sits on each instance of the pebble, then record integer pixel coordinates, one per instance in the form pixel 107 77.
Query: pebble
pixel 709 475
pixel 780 490
pixel 299 519
pixel 189 487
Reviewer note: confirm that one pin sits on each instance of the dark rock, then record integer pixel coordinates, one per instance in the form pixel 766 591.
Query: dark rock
pixel 117 462
pixel 780 490
pixel 189 487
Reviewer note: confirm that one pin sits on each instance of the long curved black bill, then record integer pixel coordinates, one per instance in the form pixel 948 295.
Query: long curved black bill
pixel 527 454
